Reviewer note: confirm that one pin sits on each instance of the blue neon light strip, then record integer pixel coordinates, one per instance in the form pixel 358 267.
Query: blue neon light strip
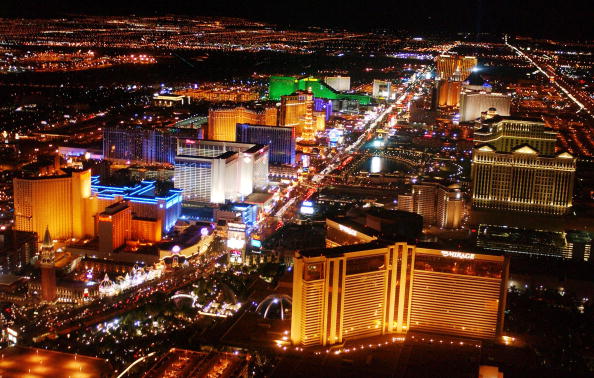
pixel 134 194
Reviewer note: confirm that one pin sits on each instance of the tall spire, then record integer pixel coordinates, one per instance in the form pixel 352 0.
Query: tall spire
pixel 47 239
pixel 47 255
pixel 48 269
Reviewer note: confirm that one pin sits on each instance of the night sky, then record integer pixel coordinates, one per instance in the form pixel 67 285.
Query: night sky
pixel 568 19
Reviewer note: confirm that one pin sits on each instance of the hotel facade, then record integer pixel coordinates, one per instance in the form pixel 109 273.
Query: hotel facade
pixel 56 202
pixel 378 288
pixel 522 180
pixel 506 133
pixel 214 171
pixel 448 65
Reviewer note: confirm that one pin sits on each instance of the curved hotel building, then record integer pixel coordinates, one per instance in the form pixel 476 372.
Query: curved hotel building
pixel 377 288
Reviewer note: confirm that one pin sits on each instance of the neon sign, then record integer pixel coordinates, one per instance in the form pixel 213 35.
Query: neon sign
pixel 458 255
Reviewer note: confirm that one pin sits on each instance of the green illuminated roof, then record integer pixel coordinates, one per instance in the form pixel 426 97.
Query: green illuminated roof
pixel 286 85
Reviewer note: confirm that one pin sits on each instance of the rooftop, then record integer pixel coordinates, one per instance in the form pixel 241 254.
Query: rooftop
pixel 338 251
pixel 33 362
pixel 115 208
pixel 498 118
pixel 145 191
pixel 182 363
pixel 258 198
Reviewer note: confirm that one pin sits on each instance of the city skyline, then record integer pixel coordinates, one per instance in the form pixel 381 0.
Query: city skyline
pixel 468 16
pixel 296 189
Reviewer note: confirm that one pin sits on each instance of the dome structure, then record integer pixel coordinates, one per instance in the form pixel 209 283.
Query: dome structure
pixel 106 286
pixel 275 307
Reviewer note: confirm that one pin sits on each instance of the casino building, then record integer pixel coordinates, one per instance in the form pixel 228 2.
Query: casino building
pixel 214 171
pixel 135 144
pixel 378 288
pixel 507 133
pixel 448 65
pixel 222 122
pixel 522 180
pixel 55 201
pixel 280 140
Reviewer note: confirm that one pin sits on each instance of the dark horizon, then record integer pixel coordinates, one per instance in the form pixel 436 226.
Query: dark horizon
pixel 569 20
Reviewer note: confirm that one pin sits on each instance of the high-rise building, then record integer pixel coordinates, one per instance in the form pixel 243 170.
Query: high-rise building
pixel 458 293
pixel 322 105
pixel 522 180
pixel 448 92
pixel 141 144
pixel 452 70
pixel 17 248
pixel 210 171
pixel 280 141
pixel 450 207
pixel 222 122
pixel 448 65
pixel 473 103
pixel 406 202
pixel 506 133
pixel 269 116
pixel 297 112
pixel 377 288
pixel 381 89
pixel 114 227
pixel 319 121
pixel 420 112
pixel 425 201
pixel 339 83
pixel 48 269
pixel 438 205
pixel 55 202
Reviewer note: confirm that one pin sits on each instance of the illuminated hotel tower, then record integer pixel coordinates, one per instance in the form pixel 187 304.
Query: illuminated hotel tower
pixel 297 112
pixel 452 70
pixel 522 180
pixel 447 65
pixel 48 269
pixel 56 201
pixel 222 122
pixel 473 103
pixel 437 204
pixel 506 133
pixel 377 288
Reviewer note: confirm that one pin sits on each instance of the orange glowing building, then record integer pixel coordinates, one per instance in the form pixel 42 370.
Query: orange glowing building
pixel 448 65
pixel 114 227
pixel 56 202
pixel 222 122
pixel 220 94
pixel 378 288
pixel 452 70
pixel 296 111
pixel 449 92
